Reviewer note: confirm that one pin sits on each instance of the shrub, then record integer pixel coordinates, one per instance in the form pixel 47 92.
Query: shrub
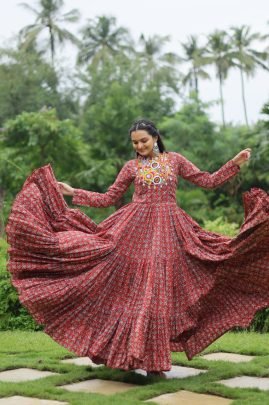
pixel 12 314
pixel 222 226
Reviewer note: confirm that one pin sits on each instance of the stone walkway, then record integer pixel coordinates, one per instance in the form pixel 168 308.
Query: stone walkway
pixel 18 400
pixel 108 387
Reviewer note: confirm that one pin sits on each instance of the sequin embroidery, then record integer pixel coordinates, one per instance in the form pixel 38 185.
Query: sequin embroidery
pixel 155 171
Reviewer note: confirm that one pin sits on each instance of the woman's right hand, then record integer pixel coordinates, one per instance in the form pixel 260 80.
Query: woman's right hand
pixel 242 157
pixel 66 189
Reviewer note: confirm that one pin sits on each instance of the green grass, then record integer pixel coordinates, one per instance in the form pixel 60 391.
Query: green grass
pixel 37 350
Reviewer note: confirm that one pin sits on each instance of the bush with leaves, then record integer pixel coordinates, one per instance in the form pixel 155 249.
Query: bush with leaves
pixel 12 314
pixel 32 140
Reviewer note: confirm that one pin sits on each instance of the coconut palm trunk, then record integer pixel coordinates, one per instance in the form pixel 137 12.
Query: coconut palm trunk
pixel 246 56
pixel 52 46
pixel 222 100
pixel 196 82
pixel 49 18
pixel 243 95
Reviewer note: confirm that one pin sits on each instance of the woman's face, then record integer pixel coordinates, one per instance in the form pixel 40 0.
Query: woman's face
pixel 143 142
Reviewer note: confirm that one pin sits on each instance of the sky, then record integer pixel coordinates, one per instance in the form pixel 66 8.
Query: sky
pixel 178 19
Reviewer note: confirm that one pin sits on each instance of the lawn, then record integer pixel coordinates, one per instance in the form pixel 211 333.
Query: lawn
pixel 37 350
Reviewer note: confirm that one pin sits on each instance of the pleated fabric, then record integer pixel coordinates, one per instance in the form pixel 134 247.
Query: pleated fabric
pixel 147 280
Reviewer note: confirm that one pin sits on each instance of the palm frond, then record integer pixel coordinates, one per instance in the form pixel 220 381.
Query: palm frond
pixel 63 35
pixel 71 16
pixel 27 7
pixel 29 36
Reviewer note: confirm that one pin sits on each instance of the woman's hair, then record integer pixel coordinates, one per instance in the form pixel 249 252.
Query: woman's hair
pixel 150 128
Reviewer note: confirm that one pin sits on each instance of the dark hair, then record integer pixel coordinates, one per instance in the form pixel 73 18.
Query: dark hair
pixel 150 127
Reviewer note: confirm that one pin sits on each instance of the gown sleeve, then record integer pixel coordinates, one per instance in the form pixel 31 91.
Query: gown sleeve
pixel 192 173
pixel 114 192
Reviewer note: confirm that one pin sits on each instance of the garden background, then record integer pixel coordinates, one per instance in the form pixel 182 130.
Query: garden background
pixel 77 120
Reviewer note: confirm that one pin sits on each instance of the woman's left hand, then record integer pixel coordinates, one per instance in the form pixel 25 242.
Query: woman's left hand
pixel 66 189
pixel 242 157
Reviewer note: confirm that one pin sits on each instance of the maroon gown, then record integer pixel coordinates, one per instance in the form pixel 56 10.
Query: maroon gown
pixel 147 280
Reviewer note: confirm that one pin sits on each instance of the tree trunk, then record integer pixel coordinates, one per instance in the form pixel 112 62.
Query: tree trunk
pixel 221 100
pixel 196 83
pixel 243 96
pixel 52 48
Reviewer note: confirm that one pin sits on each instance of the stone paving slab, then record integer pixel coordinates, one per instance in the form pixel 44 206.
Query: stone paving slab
pixel 178 372
pixel 232 357
pixel 189 398
pixel 18 400
pixel 24 374
pixel 105 387
pixel 81 361
pixel 247 382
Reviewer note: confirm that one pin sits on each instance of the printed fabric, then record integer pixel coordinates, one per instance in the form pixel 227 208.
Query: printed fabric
pixel 148 279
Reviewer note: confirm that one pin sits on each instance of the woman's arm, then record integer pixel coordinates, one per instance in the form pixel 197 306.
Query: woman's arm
pixel 114 192
pixel 192 173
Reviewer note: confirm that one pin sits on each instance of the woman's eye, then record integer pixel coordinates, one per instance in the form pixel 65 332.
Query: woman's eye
pixel 144 141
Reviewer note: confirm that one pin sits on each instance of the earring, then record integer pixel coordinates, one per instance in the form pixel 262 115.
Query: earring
pixel 156 149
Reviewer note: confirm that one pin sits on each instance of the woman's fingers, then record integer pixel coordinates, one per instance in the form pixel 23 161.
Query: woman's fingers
pixel 65 188
pixel 247 153
pixel 242 156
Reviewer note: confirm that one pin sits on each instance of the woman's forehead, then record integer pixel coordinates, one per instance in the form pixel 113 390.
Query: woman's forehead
pixel 140 134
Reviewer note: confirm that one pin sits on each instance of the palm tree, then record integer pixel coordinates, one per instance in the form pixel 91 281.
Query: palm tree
pixel 265 37
pixel 101 38
pixel 219 54
pixel 48 16
pixel 195 56
pixel 157 65
pixel 246 58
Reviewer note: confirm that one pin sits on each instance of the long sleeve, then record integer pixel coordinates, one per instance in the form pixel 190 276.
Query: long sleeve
pixel 192 173
pixel 114 192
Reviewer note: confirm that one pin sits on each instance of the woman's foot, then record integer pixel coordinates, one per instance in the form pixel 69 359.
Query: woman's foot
pixel 160 374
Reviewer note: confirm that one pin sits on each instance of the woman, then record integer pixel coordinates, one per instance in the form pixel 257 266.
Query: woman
pixel 147 280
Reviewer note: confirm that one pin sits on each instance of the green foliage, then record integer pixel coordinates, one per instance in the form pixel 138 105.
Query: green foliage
pixel 12 314
pixel 35 139
pixel 195 202
pixel 3 255
pixel 109 110
pixel 191 133
pixel 195 57
pixel 259 141
pixel 261 321
pixel 222 226
pixel 32 140
pixel 49 17
pixel 27 83
pixel 101 40
pixel 105 123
